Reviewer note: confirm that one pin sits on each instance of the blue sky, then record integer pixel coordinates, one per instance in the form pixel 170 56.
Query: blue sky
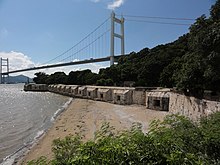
pixel 35 31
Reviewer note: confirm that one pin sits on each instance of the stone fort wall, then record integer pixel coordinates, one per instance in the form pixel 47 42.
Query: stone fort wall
pixel 153 98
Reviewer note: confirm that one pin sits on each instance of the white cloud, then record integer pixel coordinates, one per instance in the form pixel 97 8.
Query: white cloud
pixel 115 4
pixel 111 5
pixel 18 60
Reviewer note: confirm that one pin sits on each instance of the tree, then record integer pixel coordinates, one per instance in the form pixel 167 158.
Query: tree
pixel 167 76
pixel 72 78
pixel 190 74
pixel 215 11
pixel 105 82
pixel 41 78
pixel 57 78
pixel 91 78
pixel 112 73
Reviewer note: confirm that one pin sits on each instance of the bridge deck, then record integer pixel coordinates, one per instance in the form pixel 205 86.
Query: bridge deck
pixel 65 64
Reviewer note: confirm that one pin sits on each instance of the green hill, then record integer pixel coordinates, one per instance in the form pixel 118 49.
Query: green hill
pixel 191 63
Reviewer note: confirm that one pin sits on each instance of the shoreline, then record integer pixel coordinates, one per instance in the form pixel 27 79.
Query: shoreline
pixel 86 117
pixel 19 154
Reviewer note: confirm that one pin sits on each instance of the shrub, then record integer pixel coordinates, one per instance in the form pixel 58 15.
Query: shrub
pixel 176 140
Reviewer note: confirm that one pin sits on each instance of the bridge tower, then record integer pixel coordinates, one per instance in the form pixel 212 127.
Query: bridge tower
pixel 4 63
pixel 113 35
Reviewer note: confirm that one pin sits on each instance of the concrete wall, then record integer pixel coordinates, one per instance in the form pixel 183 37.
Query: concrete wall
pixel 158 103
pixel 180 104
pixel 67 90
pixel 158 100
pixel 63 89
pixel 74 90
pixel 120 96
pixel 91 92
pixel 81 91
pixel 58 89
pixel 139 97
pixel 192 107
pixel 104 94
pixel 36 87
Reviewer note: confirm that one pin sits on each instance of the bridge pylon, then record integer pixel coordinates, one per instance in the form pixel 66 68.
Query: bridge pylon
pixel 113 35
pixel 4 63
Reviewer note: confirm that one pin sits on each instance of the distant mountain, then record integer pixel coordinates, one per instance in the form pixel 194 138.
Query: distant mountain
pixel 19 79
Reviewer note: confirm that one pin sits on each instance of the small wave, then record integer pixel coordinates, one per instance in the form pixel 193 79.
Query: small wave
pixel 60 110
pixel 39 134
pixel 11 159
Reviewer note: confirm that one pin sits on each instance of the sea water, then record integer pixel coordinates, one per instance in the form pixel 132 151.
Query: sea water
pixel 24 117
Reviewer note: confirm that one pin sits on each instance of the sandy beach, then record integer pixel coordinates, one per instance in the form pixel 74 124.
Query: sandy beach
pixel 85 117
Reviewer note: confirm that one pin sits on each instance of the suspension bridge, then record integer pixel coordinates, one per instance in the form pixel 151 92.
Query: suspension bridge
pixel 93 48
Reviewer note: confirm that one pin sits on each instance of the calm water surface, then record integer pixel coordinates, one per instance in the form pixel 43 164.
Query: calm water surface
pixel 24 116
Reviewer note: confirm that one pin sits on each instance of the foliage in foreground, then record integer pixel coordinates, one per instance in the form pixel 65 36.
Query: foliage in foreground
pixel 176 140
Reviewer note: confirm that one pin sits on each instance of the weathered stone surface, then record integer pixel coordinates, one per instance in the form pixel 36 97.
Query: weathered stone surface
pixel 192 107
pixel 160 99
pixel 36 87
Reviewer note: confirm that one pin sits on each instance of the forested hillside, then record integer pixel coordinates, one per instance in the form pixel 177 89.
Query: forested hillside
pixel 191 63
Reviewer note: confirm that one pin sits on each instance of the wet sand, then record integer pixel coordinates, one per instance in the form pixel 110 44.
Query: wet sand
pixel 85 117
